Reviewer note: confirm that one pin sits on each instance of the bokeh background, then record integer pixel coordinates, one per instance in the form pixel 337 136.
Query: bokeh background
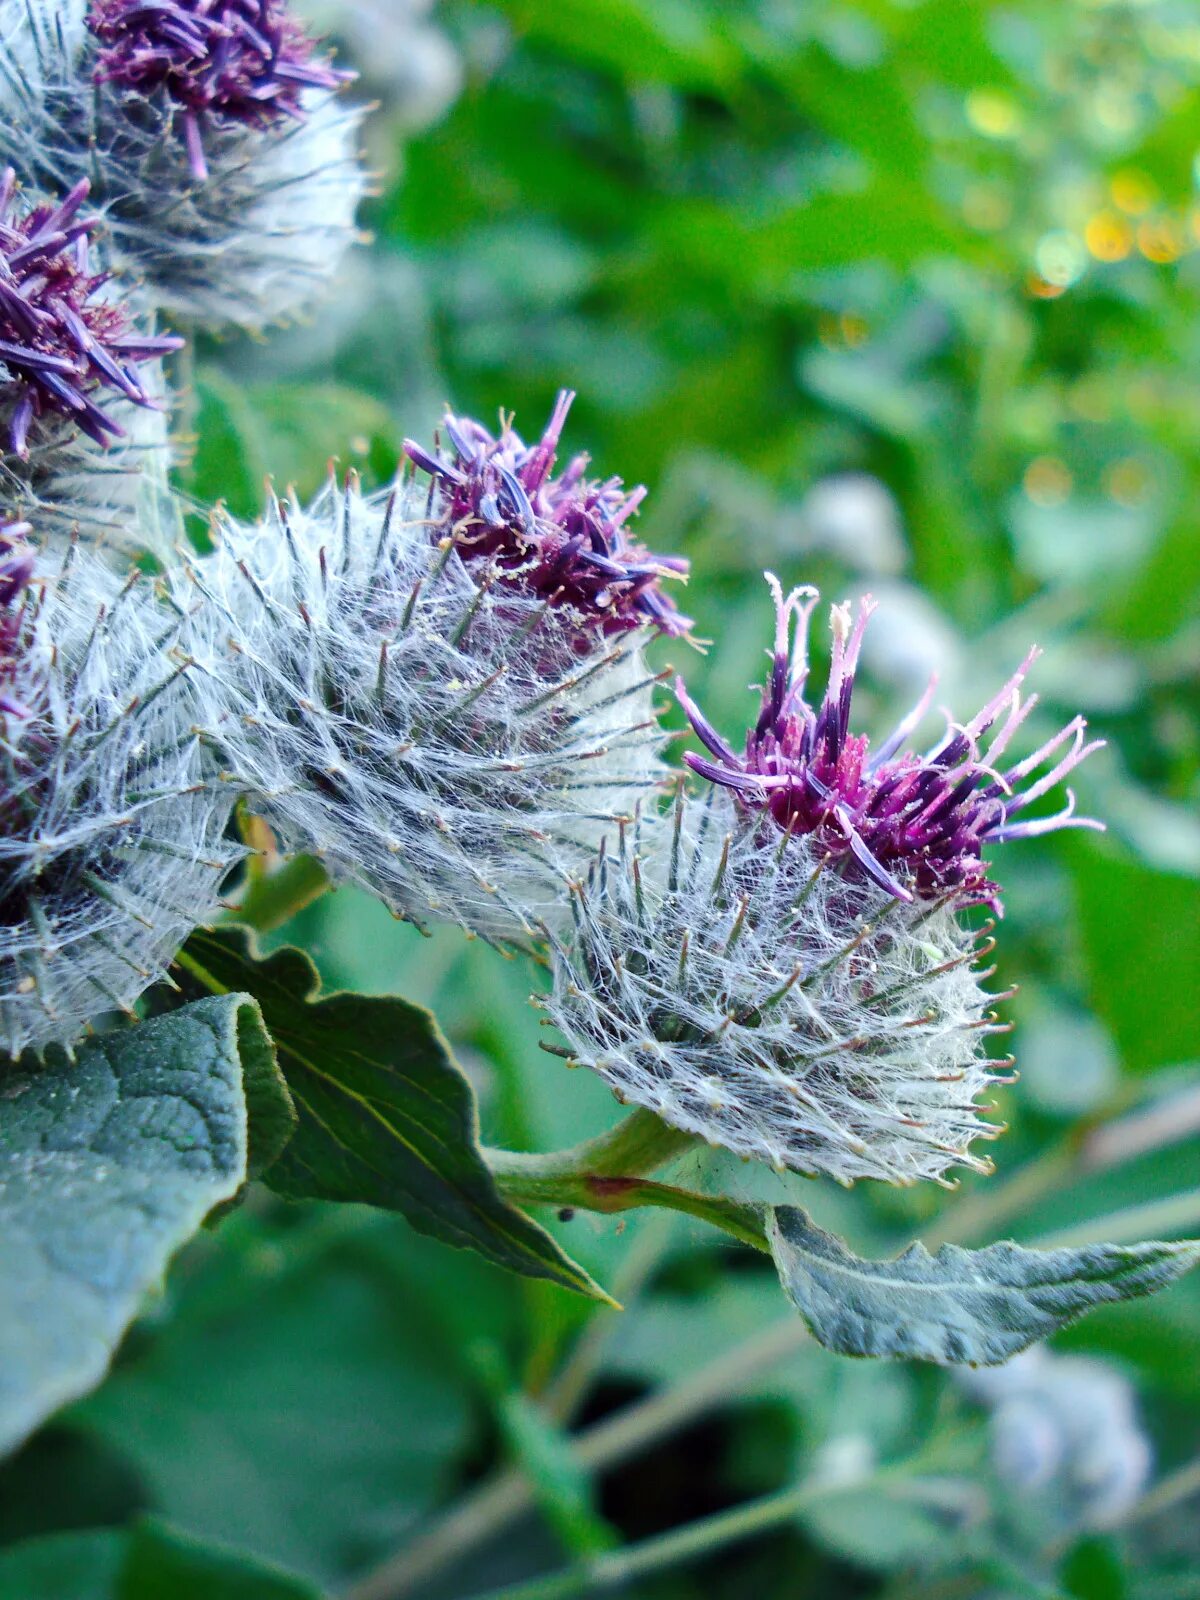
pixel 886 296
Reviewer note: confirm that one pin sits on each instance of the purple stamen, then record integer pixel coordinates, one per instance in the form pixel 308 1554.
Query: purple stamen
pixel 561 538
pixel 219 61
pixel 915 825
pixel 60 342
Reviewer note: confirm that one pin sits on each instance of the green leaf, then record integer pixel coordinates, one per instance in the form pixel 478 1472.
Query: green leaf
pixel 161 1562
pixel 386 1117
pixel 299 1398
pixel 1141 939
pixel 958 1307
pixel 106 1168
pixel 64 1566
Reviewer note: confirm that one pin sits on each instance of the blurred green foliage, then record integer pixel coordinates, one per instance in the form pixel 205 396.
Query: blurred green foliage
pixel 886 294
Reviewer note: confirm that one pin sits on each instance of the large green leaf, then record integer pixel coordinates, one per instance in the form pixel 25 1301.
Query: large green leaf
pixel 386 1117
pixel 106 1168
pixel 64 1566
pixel 301 1399
pixel 958 1307
pixel 162 1562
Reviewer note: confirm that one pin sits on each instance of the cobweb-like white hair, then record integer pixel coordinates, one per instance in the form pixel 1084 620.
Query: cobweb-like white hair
pixel 453 747
pixel 253 243
pixel 117 498
pixel 113 845
pixel 728 978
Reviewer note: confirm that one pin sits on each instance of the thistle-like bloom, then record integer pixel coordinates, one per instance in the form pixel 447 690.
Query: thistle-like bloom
pixel 916 825
pixel 729 978
pixel 215 140
pixel 64 346
pixel 563 538
pixel 219 61
pixel 416 713
pixel 112 847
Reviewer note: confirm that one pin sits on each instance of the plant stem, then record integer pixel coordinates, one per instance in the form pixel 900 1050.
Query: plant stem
pixel 484 1511
pixel 669 1549
pixel 640 1143
pixel 1174 1213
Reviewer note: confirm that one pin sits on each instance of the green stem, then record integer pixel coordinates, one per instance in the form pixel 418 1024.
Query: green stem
pixel 640 1143
pixel 1174 1213
pixel 669 1549
pixel 604 1174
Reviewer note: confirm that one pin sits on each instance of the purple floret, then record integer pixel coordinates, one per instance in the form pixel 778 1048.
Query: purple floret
pixel 60 341
pixel 917 825
pixel 563 538
pixel 225 61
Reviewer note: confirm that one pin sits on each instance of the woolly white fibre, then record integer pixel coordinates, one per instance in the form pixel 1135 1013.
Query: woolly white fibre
pixel 455 748
pixel 252 244
pixel 733 982
pixel 113 845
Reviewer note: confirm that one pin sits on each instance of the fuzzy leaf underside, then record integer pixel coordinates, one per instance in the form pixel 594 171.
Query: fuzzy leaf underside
pixel 957 1307
pixel 107 1167
pixel 385 1115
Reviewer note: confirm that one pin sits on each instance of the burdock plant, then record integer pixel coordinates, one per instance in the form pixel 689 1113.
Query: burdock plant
pixel 82 397
pixel 441 690
pixel 215 137
pixel 445 691
pixel 114 846
pixel 782 967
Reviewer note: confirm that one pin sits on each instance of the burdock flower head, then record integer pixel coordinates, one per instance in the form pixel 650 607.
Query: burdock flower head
pixel 563 537
pixel 83 412
pixel 917 825
pixel 219 61
pixel 215 139
pixel 429 699
pixel 112 847
pixel 780 968
pixel 65 348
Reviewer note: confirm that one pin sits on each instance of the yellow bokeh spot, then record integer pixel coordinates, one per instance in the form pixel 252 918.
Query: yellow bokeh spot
pixel 1132 191
pixel 993 113
pixel 1048 481
pixel 1127 481
pixel 1108 236
pixel 1161 239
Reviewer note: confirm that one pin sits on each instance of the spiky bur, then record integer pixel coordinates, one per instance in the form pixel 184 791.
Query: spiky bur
pixel 82 398
pixel 729 978
pixel 915 825
pixel 112 847
pixel 424 723
pixel 216 140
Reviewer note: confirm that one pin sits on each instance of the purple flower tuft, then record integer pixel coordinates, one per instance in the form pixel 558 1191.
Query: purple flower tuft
pixel 16 571
pixel 246 61
pixel 915 824
pixel 59 340
pixel 560 537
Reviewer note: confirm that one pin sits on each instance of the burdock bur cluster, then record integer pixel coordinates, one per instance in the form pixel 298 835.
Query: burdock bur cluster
pixel 440 689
